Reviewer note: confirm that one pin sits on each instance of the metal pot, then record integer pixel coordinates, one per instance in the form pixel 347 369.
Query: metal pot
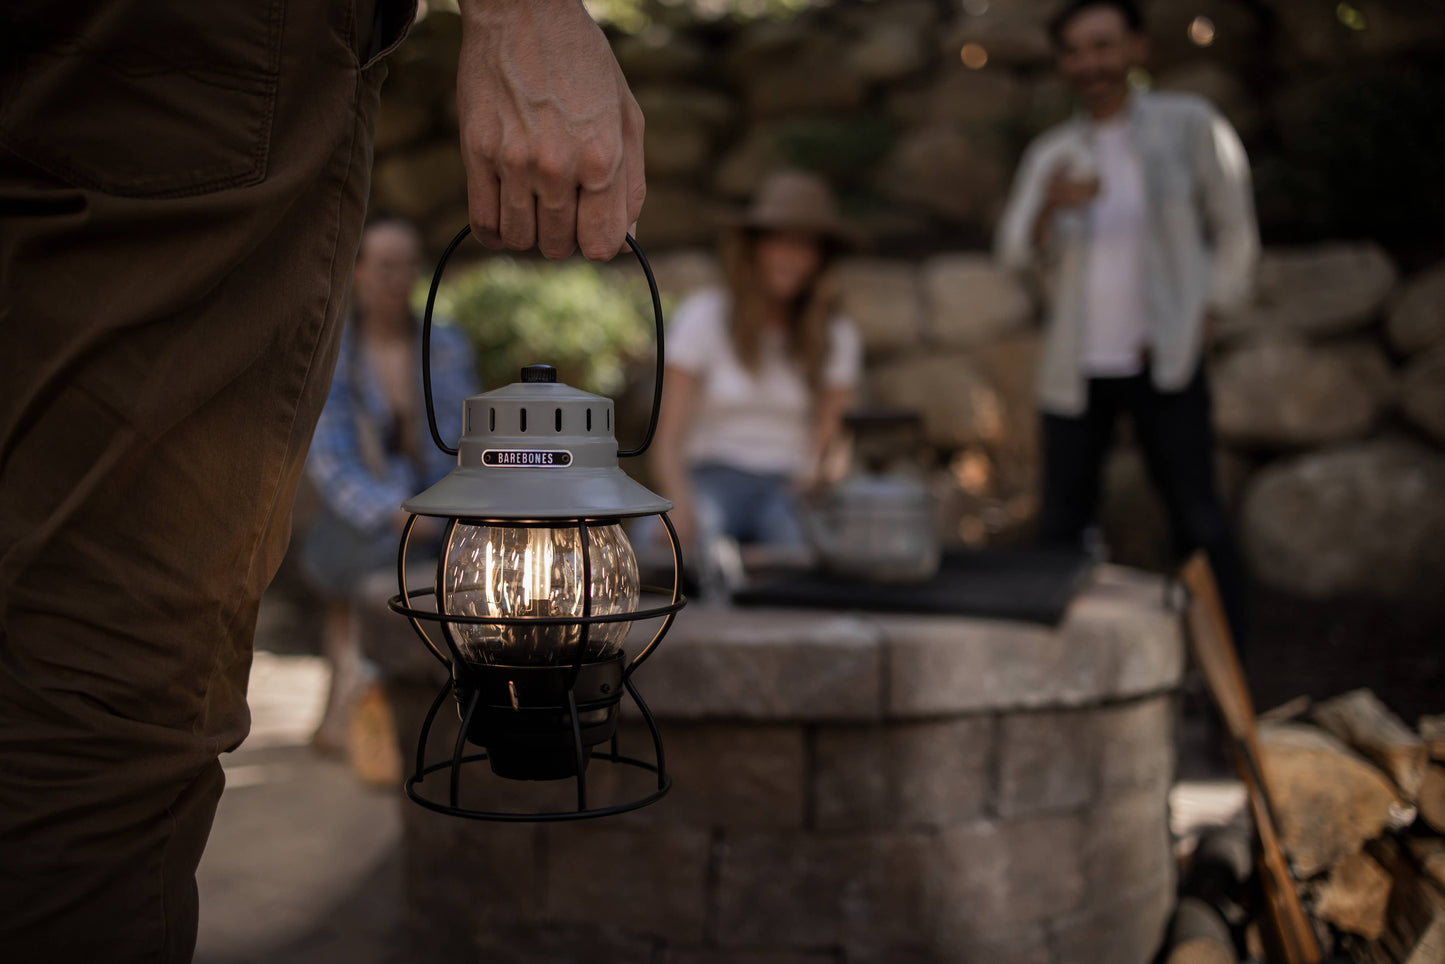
pixel 876 528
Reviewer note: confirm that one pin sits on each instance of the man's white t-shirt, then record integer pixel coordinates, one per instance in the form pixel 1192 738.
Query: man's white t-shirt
pixel 756 421
pixel 1116 314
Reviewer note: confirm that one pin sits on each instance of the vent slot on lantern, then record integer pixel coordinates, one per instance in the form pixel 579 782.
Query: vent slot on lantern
pixel 557 420
pixel 524 419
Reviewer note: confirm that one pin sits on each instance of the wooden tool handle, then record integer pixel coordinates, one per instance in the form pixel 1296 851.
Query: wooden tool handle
pixel 1215 653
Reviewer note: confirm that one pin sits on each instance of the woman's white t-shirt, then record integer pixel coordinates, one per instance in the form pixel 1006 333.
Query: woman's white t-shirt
pixel 757 421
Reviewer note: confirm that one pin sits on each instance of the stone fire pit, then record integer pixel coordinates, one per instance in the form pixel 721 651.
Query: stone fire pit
pixel 850 789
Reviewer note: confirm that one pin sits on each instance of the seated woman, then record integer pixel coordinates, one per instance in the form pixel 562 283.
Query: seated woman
pixel 372 449
pixel 758 373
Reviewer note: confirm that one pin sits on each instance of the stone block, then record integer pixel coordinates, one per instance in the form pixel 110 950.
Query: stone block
pixel 1316 291
pixel 884 300
pixel 732 776
pixel 649 881
pixel 1126 929
pixel 738 955
pixel 971 301
pixel 1011 34
pixel 962 96
pixel 1116 641
pixel 901 775
pixel 889 51
pixel 993 876
pixel 1024 945
pixel 1045 762
pixel 815 76
pixel 783 890
pixel 957 176
pixel 960 405
pixel 1135 746
pixel 1417 318
pixel 1125 844
pixel 765 664
pixel 1281 393
pixel 1422 392
pixel 1363 519
pixel 1058 761
pixel 557 944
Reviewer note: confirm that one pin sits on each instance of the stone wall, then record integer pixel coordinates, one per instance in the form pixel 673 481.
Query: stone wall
pixel 917 111
pixel 847 790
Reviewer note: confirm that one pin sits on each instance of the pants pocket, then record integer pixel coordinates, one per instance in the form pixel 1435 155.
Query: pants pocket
pixel 143 98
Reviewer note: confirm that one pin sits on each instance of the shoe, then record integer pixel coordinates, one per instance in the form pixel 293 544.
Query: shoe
pixel 371 739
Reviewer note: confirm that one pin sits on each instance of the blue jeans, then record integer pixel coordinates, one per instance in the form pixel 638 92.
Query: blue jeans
pixel 748 506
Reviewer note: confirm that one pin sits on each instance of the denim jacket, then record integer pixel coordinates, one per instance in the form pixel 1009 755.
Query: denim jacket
pixel 1202 248
pixel 359 475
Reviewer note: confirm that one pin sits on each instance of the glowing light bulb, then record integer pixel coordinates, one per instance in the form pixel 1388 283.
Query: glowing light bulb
pixel 1201 31
pixel 515 571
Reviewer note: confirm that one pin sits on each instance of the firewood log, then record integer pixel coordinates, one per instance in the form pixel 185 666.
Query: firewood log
pixel 1362 721
pixel 1355 896
pixel 1328 800
pixel 1432 798
pixel 1198 935
pixel 1429 852
pixel 1432 731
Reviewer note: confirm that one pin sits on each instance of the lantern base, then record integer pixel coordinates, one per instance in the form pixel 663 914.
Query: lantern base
pixel 525 719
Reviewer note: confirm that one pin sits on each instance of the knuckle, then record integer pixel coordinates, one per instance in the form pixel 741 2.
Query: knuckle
pixel 515 158
pixel 598 165
pixel 553 167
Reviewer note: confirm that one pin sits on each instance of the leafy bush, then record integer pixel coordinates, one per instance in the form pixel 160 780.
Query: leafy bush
pixel 589 322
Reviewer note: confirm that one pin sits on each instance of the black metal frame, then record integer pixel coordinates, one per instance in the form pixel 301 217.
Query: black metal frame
pixel 463 675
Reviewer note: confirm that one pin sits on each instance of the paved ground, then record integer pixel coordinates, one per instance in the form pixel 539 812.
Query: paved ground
pixel 302 866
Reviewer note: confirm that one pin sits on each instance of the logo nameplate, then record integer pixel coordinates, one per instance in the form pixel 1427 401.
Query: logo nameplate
pixel 526 458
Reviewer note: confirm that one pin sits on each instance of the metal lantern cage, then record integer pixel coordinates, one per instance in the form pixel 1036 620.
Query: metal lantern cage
pixel 536 722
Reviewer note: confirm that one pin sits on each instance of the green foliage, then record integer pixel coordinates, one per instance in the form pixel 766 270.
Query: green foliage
pixel 589 322
pixel 840 148
pixel 634 16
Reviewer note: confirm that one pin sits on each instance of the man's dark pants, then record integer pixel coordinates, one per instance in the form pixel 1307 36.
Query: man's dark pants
pixel 182 188
pixel 1176 438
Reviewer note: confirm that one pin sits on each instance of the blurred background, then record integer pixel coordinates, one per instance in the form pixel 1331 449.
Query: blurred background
pixel 1329 392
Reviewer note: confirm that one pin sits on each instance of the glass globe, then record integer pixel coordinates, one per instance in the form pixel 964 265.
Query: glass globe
pixel 511 571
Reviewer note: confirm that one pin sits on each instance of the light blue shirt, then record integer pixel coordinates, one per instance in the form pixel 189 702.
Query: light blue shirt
pixel 1201 251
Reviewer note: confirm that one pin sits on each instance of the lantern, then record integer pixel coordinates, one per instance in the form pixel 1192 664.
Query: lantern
pixel 536 586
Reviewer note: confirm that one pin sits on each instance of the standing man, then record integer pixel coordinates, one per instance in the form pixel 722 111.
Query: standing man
pixel 182 189
pixel 1140 209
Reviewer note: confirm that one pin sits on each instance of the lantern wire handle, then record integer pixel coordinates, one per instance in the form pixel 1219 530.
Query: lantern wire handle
pixel 436 279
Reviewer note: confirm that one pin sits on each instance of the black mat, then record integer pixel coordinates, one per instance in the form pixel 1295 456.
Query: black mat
pixel 1029 585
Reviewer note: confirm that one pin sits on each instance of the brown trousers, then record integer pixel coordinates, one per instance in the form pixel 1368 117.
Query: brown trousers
pixel 182 188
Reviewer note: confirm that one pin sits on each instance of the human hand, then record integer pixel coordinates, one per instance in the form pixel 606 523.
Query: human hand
pixel 1067 191
pixel 551 135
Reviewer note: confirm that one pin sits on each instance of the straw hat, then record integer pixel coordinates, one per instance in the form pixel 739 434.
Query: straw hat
pixel 792 200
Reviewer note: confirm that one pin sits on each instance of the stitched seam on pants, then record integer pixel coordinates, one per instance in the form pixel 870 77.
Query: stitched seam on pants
pixel 221 649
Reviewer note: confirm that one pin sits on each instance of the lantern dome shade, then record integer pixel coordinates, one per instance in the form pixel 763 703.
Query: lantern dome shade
pixel 537 450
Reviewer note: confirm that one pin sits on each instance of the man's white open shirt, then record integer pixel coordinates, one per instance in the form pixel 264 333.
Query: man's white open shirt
pixel 1202 247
